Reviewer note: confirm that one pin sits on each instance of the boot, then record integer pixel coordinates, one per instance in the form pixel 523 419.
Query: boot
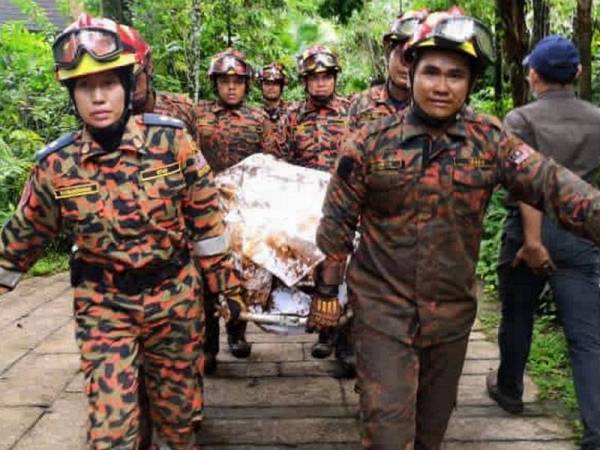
pixel 324 346
pixel 236 338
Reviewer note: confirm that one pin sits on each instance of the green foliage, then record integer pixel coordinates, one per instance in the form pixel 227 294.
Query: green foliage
pixel 33 107
pixel 549 363
pixel 340 9
pixel 490 245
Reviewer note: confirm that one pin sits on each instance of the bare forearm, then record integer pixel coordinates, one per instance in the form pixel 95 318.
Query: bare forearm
pixel 531 219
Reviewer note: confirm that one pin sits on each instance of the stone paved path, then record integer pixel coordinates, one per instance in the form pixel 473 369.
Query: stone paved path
pixel 281 398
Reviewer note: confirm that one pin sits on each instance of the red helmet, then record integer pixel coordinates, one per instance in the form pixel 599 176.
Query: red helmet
pixel 230 62
pixel 318 59
pixel 273 72
pixel 453 30
pixel 404 27
pixel 89 45
pixel 134 42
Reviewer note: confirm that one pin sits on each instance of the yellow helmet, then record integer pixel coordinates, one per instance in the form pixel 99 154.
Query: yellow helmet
pixel 453 30
pixel 89 45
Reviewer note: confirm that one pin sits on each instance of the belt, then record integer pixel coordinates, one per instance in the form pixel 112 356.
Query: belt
pixel 129 281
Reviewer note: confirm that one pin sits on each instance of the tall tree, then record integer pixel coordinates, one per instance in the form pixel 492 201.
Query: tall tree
pixel 541 20
pixel 583 36
pixel 196 50
pixel 118 10
pixel 516 45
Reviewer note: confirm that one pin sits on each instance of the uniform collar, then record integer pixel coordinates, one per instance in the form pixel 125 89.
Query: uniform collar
pixel 334 105
pixel 414 127
pixel 132 140
pixel 557 93
pixel 218 107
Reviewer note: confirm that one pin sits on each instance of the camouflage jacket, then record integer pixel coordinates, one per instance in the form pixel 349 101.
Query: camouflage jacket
pixel 421 204
pixel 138 205
pixel 310 135
pixel 179 106
pixel 228 135
pixel 372 104
pixel 276 114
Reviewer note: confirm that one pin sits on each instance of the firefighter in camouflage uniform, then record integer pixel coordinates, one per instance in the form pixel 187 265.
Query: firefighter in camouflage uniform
pixel 145 99
pixel 309 136
pixel 419 182
pixel 273 80
pixel 228 131
pixel 385 99
pixel 138 200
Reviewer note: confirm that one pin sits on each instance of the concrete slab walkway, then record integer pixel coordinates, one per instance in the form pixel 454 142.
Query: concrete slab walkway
pixel 279 398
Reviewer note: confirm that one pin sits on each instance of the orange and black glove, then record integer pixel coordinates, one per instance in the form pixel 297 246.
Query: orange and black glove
pixel 324 313
pixel 231 306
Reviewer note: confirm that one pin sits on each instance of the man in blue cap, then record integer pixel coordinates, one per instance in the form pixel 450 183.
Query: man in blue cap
pixel 536 251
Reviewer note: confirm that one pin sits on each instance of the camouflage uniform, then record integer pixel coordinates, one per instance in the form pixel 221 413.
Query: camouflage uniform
pixel 421 204
pixel 228 135
pixel 134 214
pixel 372 104
pixel 179 106
pixel 310 134
pixel 277 114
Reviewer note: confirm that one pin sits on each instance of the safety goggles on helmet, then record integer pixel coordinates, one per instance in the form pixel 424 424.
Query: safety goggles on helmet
pixel 403 29
pixel 101 44
pixel 462 30
pixel 229 65
pixel 314 62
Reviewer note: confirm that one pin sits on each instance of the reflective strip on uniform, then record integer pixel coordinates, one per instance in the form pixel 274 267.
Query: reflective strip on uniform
pixel 9 278
pixel 212 246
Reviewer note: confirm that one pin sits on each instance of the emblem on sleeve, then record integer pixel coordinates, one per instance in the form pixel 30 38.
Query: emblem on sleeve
pixel 520 155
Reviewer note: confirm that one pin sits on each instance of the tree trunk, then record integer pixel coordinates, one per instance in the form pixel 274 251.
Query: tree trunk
pixel 516 45
pixel 118 10
pixel 498 75
pixel 583 36
pixel 196 50
pixel 541 21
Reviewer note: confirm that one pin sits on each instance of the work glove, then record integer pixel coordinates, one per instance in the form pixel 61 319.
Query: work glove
pixel 231 306
pixel 324 313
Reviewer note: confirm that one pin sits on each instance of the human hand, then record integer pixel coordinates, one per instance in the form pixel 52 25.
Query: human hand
pixel 230 308
pixel 324 313
pixel 537 258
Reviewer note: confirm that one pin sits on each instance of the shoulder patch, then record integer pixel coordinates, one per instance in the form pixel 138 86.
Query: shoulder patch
pixel 160 120
pixel 61 142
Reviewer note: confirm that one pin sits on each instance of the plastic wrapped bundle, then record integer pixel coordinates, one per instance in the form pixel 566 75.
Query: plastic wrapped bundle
pixel 273 209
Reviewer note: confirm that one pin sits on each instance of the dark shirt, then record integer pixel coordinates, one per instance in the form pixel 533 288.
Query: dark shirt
pixel 562 127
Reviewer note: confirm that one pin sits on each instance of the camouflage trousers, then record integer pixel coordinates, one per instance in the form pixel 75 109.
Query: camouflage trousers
pixel 407 394
pixel 160 330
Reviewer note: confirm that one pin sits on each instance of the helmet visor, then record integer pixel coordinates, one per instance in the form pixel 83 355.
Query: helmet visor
pixel 460 30
pixel 101 44
pixel 322 60
pixel 403 29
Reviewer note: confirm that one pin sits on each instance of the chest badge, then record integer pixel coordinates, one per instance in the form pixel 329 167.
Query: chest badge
pixel 78 190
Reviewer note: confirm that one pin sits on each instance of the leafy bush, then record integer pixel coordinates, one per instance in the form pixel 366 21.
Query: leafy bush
pixel 33 107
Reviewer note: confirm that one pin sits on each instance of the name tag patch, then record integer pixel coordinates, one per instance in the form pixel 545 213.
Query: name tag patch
pixel 76 191
pixel 160 172
pixel 474 163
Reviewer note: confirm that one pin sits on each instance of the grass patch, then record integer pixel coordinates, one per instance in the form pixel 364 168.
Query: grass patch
pixel 49 264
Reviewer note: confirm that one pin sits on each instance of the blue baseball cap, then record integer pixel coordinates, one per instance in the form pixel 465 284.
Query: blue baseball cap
pixel 555 58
